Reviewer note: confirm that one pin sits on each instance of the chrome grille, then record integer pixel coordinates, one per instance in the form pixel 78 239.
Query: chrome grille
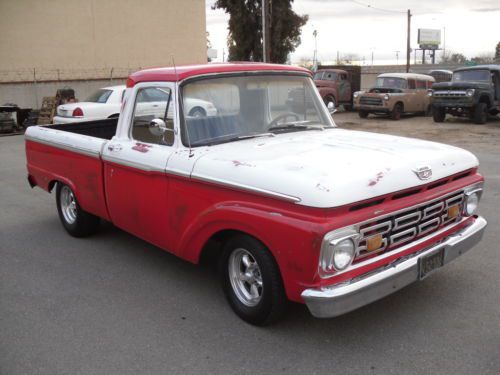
pixel 407 225
pixel 449 93
pixel 368 100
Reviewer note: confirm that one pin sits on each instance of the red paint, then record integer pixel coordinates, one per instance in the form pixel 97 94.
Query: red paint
pixel 141 147
pixel 81 172
pixel 182 72
pixel 179 214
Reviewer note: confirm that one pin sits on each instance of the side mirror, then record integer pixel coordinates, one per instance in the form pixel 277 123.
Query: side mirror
pixel 158 127
pixel 331 108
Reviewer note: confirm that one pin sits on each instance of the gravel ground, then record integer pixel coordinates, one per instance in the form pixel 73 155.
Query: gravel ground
pixel 113 304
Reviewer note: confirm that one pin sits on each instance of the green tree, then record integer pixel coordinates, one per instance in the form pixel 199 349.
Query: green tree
pixel 245 29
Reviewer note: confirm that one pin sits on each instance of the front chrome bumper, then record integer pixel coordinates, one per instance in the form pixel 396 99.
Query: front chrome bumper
pixel 339 299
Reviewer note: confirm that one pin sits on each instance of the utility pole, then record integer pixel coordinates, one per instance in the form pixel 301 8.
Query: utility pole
pixel 397 57
pixel 266 52
pixel 315 58
pixel 408 48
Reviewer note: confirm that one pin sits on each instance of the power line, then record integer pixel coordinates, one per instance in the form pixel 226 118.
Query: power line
pixel 377 8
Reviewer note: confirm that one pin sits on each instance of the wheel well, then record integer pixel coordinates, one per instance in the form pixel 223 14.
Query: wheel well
pixel 114 115
pixel 402 106
pixel 52 184
pixel 213 246
pixel 197 108
pixel 485 99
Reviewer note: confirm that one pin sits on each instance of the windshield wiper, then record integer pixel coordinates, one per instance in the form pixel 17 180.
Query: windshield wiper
pixel 227 138
pixel 306 125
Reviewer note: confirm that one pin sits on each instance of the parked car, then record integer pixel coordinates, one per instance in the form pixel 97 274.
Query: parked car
pixel 473 92
pixel 107 103
pixel 292 207
pixel 103 103
pixel 441 75
pixel 335 87
pixel 395 94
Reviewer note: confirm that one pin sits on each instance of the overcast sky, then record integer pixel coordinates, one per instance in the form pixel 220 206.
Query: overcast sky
pixel 351 27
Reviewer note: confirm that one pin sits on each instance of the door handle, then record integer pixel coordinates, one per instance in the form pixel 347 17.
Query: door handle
pixel 114 147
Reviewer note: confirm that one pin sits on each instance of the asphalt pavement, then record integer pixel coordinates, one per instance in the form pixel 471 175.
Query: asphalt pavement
pixel 113 304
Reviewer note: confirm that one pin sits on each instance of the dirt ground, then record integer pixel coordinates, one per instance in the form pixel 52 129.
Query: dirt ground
pixel 459 132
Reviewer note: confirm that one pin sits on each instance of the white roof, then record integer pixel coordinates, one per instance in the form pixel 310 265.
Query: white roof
pixel 119 87
pixel 408 76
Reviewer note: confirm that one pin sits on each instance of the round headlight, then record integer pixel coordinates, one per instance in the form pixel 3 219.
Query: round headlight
pixel 356 94
pixel 386 97
pixel 343 254
pixel 469 92
pixel 471 204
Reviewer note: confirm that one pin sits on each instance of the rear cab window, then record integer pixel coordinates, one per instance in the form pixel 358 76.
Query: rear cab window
pixel 99 96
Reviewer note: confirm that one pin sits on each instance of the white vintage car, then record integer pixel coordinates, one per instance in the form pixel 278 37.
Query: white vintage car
pixel 107 103
pixel 103 103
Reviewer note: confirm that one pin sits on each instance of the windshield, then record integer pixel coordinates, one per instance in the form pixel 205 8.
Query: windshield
pixel 471 75
pixel 100 96
pixel 219 110
pixel 391 83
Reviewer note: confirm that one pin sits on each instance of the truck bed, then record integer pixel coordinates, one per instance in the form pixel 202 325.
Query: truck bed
pixel 104 129
pixel 71 153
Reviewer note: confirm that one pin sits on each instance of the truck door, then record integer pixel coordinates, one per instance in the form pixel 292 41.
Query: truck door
pixel 136 184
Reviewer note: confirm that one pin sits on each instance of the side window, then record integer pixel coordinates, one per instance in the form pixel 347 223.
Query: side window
pixel 411 84
pixel 153 103
pixel 421 85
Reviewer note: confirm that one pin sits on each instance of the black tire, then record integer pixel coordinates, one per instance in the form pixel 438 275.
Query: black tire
pixel 362 114
pixel 397 111
pixel 270 302
pixel 481 113
pixel 438 114
pixel 77 222
pixel 197 112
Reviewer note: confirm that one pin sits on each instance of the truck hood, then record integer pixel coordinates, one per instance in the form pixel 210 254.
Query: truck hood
pixel 460 85
pixel 329 168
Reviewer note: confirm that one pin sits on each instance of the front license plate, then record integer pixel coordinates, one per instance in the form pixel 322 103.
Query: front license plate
pixel 430 263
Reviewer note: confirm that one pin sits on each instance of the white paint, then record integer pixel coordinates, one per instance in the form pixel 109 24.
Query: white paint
pixel 316 168
pixel 91 110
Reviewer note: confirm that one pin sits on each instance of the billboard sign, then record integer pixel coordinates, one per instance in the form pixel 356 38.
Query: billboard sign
pixel 429 37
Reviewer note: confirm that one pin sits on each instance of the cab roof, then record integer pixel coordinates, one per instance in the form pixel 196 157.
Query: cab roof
pixel 480 67
pixel 425 77
pixel 171 74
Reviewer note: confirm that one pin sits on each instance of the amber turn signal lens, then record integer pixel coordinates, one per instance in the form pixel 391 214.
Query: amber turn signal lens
pixel 453 212
pixel 374 242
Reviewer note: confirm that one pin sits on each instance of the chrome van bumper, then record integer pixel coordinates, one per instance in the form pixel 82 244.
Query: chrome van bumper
pixel 339 299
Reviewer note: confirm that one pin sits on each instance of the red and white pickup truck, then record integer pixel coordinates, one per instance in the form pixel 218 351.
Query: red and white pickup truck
pixel 293 207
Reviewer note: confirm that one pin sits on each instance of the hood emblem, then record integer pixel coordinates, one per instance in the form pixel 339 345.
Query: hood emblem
pixel 424 173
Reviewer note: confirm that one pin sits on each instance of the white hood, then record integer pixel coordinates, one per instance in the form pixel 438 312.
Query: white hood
pixel 330 168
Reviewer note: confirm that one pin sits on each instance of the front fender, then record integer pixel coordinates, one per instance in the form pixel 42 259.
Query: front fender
pixel 294 243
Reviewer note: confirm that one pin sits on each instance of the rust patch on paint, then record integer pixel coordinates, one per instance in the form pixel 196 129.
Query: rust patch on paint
pixel 322 187
pixel 141 147
pixel 238 163
pixel 379 176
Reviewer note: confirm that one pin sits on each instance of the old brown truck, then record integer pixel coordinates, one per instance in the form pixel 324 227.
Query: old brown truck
pixel 337 85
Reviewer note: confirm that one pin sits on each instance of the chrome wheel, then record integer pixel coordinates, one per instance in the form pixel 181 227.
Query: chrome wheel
pixel 245 277
pixel 68 204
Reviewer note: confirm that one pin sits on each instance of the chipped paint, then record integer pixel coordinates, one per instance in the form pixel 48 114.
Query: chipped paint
pixel 379 176
pixel 322 187
pixel 238 163
pixel 141 147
